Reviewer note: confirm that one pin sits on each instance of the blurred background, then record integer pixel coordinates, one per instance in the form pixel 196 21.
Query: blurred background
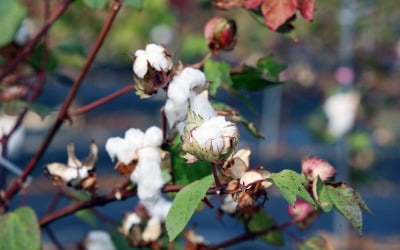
pixel 340 101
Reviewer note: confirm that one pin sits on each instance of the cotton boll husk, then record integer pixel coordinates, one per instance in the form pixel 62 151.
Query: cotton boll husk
pixel 152 230
pixel 99 240
pixel 180 127
pixel 175 112
pixel 200 104
pixel 130 220
pixel 153 137
pixel 134 137
pixel 157 58
pixel 194 77
pixel 119 148
pixel 64 172
pixel 140 65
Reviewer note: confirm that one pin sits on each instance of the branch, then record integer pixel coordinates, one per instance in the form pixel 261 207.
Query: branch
pixel 247 236
pixel 102 101
pixel 63 114
pixel 21 57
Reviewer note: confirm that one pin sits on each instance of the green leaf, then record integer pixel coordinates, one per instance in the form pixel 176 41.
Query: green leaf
pixel 349 203
pixel 98 4
pixel 252 79
pixel 87 216
pixel 166 175
pixel 262 220
pixel 119 240
pixel 270 68
pixel 291 185
pixel 182 172
pixel 314 243
pixel 11 15
pixel 15 107
pixel 324 202
pixel 217 73
pixel 185 204
pixel 137 4
pixel 19 230
pixel 36 60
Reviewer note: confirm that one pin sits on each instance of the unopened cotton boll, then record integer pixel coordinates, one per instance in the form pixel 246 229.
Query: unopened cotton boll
pixel 153 137
pixel 99 240
pixel 140 65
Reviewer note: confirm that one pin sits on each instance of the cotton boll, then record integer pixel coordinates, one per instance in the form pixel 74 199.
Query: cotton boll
pixel 140 66
pixel 175 112
pixel 178 90
pixel 130 220
pixel 99 240
pixel 83 172
pixel 159 207
pixel 194 77
pixel 150 154
pixel 229 205
pixel 119 148
pixel 152 230
pixel 134 137
pixel 157 58
pixel 200 104
pixel 341 111
pixel 153 137
pixel 205 133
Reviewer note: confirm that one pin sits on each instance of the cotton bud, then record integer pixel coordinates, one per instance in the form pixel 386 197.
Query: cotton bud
pixel 98 240
pixel 220 33
pixel 211 140
pixel 313 167
pixel 152 70
pixel 300 210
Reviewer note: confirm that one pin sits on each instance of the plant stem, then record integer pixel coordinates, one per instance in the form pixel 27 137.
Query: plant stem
pixel 63 114
pixel 102 101
pixel 27 50
pixel 215 174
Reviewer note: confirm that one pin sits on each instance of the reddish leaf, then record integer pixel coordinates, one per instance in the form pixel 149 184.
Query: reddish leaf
pixel 252 4
pixel 276 12
pixel 306 8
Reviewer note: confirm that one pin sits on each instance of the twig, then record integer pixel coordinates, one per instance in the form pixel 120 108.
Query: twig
pixel 201 62
pixel 63 114
pixel 247 236
pixel 215 174
pixel 53 238
pixel 21 57
pixel 102 101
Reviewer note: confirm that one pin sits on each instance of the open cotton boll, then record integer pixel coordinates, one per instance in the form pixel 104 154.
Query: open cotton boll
pixel 201 105
pixel 178 90
pixel 157 58
pixel 159 207
pixel 205 133
pixel 140 65
pixel 194 77
pixel 119 148
pixel 175 112
pixel 99 240
pixel 152 230
pixel 153 137
pixel 130 220
pixel 229 205
pixel 150 154
pixel 134 137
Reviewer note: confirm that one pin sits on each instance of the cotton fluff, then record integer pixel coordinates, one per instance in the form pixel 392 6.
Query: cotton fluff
pixel 184 91
pixel 152 230
pixel 140 64
pixel 341 111
pixel 99 240
pixel 120 148
pixel 130 220
pixel 155 56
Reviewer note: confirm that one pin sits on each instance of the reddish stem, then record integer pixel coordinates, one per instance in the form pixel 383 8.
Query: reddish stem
pixel 63 114
pixel 102 101
pixel 21 57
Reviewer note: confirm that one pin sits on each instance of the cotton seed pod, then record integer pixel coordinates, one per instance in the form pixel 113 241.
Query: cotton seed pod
pixel 211 140
pixel 313 167
pixel 152 70
pixel 220 33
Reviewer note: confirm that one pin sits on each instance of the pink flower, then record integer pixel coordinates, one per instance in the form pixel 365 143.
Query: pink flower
pixel 312 167
pixel 300 210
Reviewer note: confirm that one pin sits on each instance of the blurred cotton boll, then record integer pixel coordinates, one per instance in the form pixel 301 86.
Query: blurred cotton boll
pixel 341 110
pixel 98 240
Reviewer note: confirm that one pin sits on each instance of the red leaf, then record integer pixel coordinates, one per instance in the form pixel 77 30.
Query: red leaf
pixel 277 12
pixel 252 4
pixel 306 8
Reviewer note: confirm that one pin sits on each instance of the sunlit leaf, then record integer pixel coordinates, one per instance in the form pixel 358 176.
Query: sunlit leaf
pixel 87 216
pixel 185 204
pixel 217 73
pixel 19 230
pixel 270 68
